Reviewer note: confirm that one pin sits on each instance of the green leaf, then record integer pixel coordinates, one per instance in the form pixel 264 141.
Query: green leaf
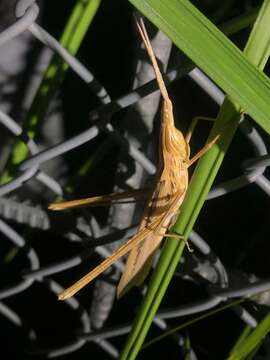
pixel 191 322
pixel 244 334
pixel 246 346
pixel 214 53
pixel 72 37
pixel 224 63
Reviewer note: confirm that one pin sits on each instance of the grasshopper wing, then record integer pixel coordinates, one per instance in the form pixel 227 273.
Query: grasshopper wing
pixel 140 258
pixel 136 239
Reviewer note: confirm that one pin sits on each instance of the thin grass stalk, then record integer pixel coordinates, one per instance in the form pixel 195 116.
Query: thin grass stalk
pixel 251 343
pixel 71 38
pixel 214 53
pixel 204 175
pixel 244 334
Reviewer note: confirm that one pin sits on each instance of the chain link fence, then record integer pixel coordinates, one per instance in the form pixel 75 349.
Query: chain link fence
pixel 25 196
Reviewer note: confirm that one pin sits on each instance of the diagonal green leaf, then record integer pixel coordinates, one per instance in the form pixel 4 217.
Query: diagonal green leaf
pixel 252 341
pixel 215 54
pixel 191 322
pixel 208 48
pixel 244 334
pixel 72 37
pixel 198 189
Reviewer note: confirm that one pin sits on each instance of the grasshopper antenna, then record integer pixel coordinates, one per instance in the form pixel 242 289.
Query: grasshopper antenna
pixel 148 46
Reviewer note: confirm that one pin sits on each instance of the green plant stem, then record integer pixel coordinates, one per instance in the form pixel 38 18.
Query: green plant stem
pixel 73 34
pixel 244 334
pixel 198 189
pixel 240 22
pixel 163 15
pixel 191 322
pixel 246 346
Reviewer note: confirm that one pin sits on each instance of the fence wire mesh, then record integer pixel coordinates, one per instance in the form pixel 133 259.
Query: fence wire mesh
pixel 29 232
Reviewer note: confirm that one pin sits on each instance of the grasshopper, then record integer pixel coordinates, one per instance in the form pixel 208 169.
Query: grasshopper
pixel 164 200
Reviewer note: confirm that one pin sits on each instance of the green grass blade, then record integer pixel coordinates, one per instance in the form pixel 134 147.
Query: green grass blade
pixel 258 46
pixel 240 22
pixel 215 54
pixel 206 46
pixel 72 36
pixel 244 334
pixel 252 341
pixel 198 189
pixel 191 322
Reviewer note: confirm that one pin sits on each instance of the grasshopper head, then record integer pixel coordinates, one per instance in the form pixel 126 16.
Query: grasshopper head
pixel 173 141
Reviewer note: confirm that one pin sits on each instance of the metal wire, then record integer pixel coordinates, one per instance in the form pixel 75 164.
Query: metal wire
pixel 12 210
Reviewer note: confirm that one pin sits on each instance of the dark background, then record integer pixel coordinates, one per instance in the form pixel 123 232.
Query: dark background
pixel 235 226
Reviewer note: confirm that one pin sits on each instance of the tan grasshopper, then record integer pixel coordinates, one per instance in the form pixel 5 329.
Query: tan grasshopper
pixel 164 201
